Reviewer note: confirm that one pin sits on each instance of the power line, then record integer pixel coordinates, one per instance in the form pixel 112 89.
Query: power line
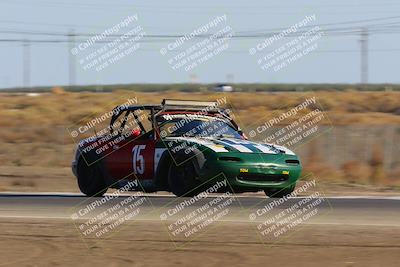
pixel 254 33
pixel 233 51
pixel 191 7
pixel 244 35
pixel 336 23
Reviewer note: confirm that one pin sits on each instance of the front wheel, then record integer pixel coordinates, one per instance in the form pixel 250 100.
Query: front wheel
pixel 91 179
pixel 280 193
pixel 182 179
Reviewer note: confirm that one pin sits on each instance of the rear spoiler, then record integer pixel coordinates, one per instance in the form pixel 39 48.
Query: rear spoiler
pixel 188 104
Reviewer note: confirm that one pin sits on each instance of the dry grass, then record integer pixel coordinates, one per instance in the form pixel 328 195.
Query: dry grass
pixel 23 183
pixel 33 130
pixel 68 108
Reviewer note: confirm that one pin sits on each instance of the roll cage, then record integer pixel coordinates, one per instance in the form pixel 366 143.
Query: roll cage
pixel 169 105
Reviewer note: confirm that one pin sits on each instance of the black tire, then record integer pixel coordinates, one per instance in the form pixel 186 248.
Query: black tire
pixel 280 193
pixel 91 179
pixel 182 179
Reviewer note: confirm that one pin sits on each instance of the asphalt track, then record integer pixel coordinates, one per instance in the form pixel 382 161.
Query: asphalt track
pixel 47 229
pixel 373 211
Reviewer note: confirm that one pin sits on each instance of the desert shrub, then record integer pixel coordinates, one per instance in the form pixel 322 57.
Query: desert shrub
pixel 376 162
pixel 355 171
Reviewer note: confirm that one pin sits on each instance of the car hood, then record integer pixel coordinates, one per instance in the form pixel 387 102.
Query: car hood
pixel 231 144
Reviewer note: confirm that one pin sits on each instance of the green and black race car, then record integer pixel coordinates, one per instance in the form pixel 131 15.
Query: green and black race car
pixel 183 147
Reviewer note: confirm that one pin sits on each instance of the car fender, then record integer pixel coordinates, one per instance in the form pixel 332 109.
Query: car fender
pixel 161 174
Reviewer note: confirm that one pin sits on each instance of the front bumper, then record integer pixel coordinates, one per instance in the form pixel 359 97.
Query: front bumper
pixel 253 172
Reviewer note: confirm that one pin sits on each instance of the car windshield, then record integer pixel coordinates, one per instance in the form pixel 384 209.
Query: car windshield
pixel 198 126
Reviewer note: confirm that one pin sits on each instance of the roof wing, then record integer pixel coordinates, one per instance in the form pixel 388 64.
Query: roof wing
pixel 188 103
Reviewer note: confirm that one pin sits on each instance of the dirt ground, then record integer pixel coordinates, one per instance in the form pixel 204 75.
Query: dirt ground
pixel 57 243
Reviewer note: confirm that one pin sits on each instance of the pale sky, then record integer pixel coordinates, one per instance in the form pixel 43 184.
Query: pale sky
pixel 336 58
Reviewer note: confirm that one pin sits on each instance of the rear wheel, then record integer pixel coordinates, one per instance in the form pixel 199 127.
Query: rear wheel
pixel 182 179
pixel 91 179
pixel 279 193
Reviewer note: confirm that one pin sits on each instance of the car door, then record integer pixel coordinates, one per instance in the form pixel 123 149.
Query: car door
pixel 132 158
pixel 142 153
pixel 132 148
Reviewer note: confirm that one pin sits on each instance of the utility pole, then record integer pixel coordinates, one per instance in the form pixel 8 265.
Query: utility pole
pixel 71 57
pixel 230 78
pixel 26 63
pixel 364 56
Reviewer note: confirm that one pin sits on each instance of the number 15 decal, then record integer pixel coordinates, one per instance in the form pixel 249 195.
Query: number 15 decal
pixel 138 159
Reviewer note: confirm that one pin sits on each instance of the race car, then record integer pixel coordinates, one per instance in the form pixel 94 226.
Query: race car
pixel 183 147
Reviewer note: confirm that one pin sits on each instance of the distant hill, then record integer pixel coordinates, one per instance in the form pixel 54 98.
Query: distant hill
pixel 191 87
